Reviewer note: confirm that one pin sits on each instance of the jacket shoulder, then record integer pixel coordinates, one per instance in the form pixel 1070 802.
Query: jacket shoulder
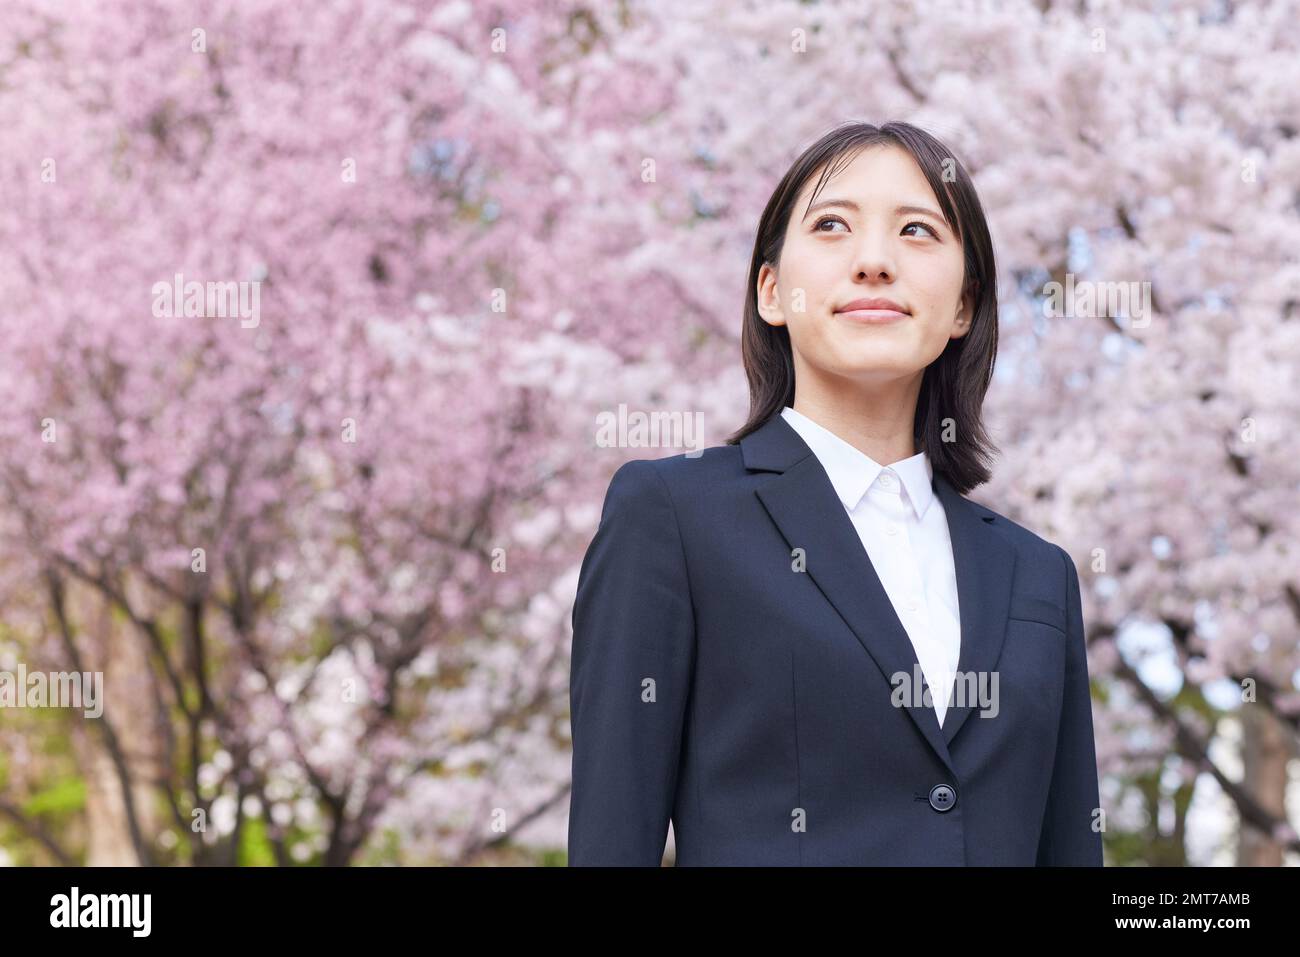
pixel 1026 542
pixel 687 469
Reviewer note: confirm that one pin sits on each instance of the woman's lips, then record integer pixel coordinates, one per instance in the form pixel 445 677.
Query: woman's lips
pixel 872 316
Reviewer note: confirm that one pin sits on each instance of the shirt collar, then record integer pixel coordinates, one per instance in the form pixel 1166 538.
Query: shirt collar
pixel 852 471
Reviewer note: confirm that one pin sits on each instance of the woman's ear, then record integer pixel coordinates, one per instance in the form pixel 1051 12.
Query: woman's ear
pixel 769 297
pixel 961 322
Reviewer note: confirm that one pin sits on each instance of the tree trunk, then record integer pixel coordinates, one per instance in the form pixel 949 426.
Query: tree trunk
pixel 128 702
pixel 1265 749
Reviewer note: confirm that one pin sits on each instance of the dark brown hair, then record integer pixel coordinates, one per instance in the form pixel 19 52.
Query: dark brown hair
pixel 954 384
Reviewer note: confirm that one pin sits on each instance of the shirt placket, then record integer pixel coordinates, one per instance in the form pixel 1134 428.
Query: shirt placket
pixel 906 587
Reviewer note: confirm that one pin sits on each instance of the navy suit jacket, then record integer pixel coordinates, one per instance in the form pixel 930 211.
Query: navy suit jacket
pixel 714 683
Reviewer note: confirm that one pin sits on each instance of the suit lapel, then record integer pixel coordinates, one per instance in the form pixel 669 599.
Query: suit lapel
pixel 802 503
pixel 985 565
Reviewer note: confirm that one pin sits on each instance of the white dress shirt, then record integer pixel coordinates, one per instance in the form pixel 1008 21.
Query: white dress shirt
pixel 904 529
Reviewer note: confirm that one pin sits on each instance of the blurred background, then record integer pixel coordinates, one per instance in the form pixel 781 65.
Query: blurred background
pixel 311 314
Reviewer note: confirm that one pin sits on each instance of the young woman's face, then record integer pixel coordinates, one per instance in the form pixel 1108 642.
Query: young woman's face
pixel 857 243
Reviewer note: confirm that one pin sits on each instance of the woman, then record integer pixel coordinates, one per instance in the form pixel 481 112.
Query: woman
pixel 806 646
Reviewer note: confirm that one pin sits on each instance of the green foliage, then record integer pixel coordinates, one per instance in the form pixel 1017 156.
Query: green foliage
pixel 68 795
pixel 554 857
pixel 254 847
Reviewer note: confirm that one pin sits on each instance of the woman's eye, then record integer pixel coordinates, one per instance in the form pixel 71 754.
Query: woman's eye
pixel 817 227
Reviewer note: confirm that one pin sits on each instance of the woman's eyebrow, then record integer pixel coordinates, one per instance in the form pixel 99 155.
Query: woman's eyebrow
pixel 850 204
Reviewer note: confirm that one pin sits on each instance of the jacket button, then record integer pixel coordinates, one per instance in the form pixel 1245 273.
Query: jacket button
pixel 942 797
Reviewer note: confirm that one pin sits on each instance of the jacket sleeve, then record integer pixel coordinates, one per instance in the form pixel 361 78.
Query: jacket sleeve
pixel 630 675
pixel 1068 837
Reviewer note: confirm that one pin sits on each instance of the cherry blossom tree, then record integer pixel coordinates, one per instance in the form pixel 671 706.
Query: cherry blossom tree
pixel 325 554
pixel 335 531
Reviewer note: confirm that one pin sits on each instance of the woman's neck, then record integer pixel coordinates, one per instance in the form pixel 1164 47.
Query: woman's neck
pixel 879 425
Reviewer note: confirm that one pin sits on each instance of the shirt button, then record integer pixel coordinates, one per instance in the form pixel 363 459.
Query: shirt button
pixel 887 481
pixel 942 797
pixel 893 530
pixel 911 606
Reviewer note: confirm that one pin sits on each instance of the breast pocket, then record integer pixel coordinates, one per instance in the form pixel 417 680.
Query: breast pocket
pixel 1032 665
pixel 1042 610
